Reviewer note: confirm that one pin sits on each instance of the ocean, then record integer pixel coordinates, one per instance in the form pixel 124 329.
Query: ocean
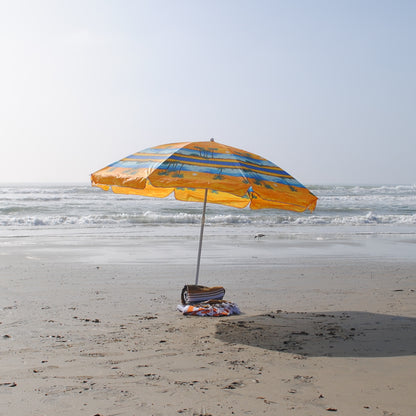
pixel 343 211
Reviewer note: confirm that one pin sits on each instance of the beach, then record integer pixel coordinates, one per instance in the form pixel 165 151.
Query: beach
pixel 261 149
pixel 89 325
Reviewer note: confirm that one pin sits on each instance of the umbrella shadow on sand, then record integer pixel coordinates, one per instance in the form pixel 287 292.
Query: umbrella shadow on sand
pixel 324 334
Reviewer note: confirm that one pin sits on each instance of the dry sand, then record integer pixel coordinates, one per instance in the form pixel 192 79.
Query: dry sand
pixel 83 332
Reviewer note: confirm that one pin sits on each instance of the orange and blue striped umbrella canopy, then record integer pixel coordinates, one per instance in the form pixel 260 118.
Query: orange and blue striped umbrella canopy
pixel 232 177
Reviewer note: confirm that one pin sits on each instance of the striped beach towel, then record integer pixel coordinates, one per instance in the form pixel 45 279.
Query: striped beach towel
pixel 196 293
pixel 210 308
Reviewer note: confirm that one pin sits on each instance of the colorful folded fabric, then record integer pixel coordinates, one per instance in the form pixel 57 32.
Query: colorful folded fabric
pixel 196 293
pixel 210 308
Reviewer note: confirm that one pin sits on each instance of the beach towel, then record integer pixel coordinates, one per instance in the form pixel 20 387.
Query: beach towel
pixel 210 308
pixel 196 293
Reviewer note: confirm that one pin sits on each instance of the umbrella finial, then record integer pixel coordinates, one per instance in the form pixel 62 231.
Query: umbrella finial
pixel 211 139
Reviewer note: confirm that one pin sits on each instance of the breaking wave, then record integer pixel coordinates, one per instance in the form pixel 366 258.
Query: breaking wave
pixel 152 218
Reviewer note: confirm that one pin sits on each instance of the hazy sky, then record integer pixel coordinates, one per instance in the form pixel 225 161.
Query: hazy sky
pixel 325 89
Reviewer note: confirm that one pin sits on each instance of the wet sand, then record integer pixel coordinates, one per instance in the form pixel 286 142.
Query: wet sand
pixel 90 327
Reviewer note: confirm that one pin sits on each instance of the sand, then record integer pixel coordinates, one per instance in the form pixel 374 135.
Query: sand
pixel 90 327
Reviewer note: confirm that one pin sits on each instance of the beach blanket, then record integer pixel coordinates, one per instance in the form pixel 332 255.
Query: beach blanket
pixel 210 308
pixel 196 293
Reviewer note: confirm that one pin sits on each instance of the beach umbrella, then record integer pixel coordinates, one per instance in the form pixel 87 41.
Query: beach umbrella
pixel 206 171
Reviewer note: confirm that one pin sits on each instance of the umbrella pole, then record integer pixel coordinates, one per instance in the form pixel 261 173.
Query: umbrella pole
pixel 201 234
